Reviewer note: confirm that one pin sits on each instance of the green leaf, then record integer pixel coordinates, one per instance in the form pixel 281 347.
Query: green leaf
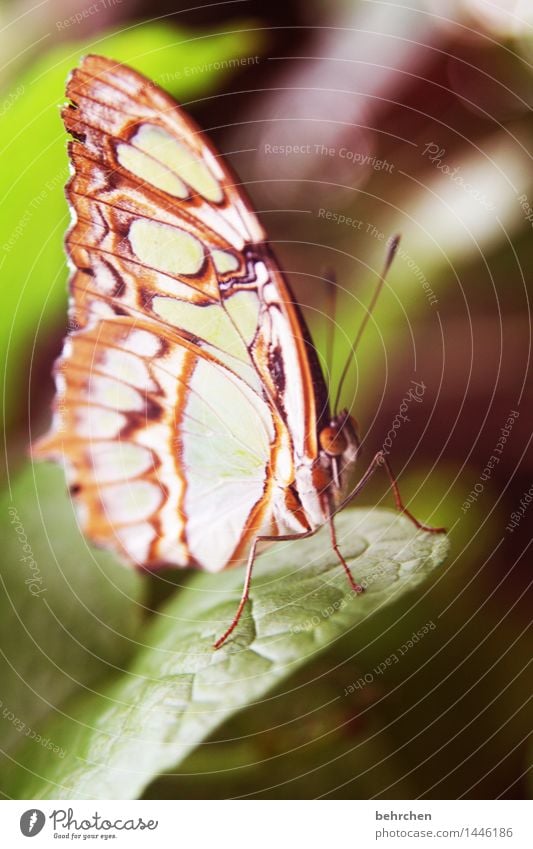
pixel 178 689
pixel 34 214
pixel 68 614
pixel 307 738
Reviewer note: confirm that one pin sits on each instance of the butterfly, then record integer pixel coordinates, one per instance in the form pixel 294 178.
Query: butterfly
pixel 191 413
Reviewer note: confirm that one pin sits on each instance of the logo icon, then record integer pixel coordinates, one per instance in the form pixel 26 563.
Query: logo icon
pixel 32 822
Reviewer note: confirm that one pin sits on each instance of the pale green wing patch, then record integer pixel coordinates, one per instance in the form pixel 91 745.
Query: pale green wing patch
pixel 157 157
pixel 229 327
pixel 226 440
pixel 168 249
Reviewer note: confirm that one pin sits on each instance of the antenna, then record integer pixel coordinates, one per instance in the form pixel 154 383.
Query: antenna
pixel 331 294
pixel 391 253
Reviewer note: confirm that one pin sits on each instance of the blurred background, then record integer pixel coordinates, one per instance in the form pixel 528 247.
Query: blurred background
pixel 346 122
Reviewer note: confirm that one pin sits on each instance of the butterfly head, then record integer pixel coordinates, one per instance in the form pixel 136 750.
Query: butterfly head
pixel 339 443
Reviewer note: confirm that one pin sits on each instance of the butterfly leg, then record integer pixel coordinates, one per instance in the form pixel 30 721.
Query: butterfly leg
pixel 380 461
pixel 248 577
pixel 401 506
pixel 357 588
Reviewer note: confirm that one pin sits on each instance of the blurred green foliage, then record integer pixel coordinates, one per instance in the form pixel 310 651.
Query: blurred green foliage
pixel 69 615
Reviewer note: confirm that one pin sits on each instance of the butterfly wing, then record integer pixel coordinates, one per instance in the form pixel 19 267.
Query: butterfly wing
pixel 188 397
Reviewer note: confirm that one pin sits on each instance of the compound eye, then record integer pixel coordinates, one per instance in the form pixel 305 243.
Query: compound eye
pixel 333 441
